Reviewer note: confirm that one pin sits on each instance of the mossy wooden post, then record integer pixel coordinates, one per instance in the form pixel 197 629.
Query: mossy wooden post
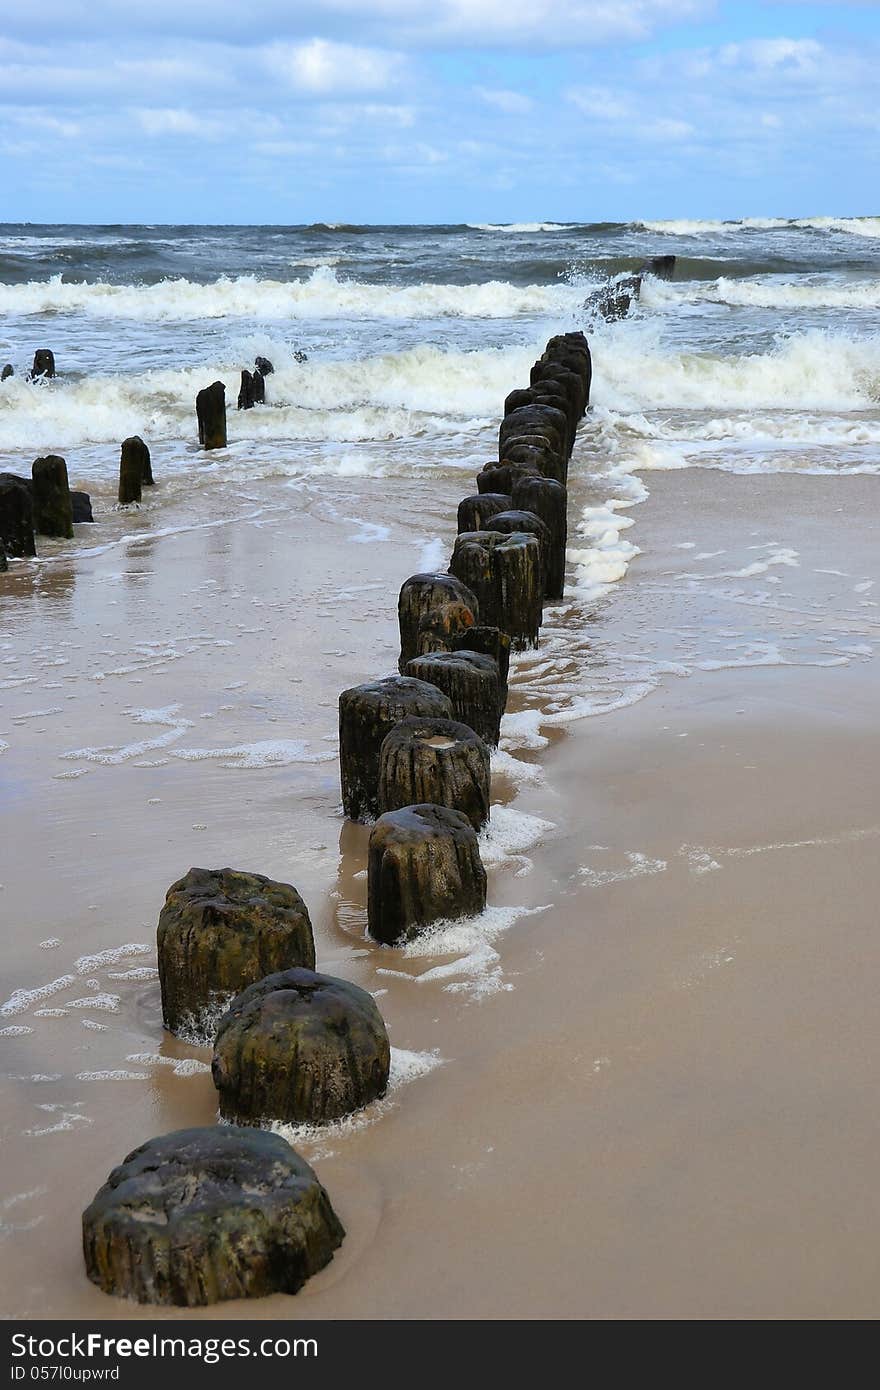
pixel 472 682
pixel 519 520
pixel 475 513
pixel 53 509
pixel 367 714
pixel 424 866
pixel 300 1048
pixel 17 516
pixel 202 1215
pixel 422 594
pixel 439 627
pixel 489 641
pixel 134 464
pixel 499 478
pixel 505 574
pixel 211 416
pixel 44 363
pixel 219 931
pixel 548 499
pixel 440 761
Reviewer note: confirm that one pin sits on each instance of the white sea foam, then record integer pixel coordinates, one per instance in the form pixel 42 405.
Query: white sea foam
pixel 476 969
pixel 764 292
pixel 322 295
pixel 855 226
pixel 110 755
pixel 22 999
pixel 278 752
pixel 111 956
pixel 813 370
pixel 522 226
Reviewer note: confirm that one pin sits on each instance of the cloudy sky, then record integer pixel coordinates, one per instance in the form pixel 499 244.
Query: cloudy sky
pixel 437 110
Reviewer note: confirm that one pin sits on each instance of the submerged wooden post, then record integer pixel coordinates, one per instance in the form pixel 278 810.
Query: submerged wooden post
pixel 134 469
pixel 367 714
pixel 53 509
pixel 440 761
pixel 505 574
pixel 211 416
pixel 424 866
pixel 299 1047
pixel 219 931
pixel 44 363
pixel 17 516
pixel 246 397
pixel 207 1214
pixel 471 680
pixel 422 594
pixel 475 513
pixel 548 499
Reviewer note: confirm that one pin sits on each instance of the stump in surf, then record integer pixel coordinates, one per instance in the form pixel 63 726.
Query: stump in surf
pixel 422 594
pixel 44 363
pixel 135 470
pixel 263 366
pixel 424 866
pixel 211 416
pixel 202 1215
pixel 499 478
pixel 527 522
pixel 252 391
pixel 440 761
pixel 81 504
pixel 367 714
pixel 439 628
pixel 473 683
pixel 548 422
pixel 4 563
pixel 7 372
pixel 219 931
pixel 53 510
pixel 475 512
pixel 547 499
pixel 489 641
pixel 300 1047
pixel 505 574
pixel 17 516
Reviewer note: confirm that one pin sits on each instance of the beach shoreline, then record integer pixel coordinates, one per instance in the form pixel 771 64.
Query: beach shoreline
pixel 636 1101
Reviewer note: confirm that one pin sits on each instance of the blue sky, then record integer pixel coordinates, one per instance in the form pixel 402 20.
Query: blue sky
pixel 437 110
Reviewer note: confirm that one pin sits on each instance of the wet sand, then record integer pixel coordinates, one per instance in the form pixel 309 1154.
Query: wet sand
pixel 654 1096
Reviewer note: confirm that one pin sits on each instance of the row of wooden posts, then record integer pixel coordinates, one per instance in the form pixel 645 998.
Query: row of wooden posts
pixel 231 1210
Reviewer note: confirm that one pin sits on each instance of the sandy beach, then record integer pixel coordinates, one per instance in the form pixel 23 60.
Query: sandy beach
pixel 640 1087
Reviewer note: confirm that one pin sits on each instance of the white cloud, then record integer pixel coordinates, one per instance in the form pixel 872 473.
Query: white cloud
pixel 511 103
pixel 176 121
pixel 322 68
pixel 600 102
pixel 781 57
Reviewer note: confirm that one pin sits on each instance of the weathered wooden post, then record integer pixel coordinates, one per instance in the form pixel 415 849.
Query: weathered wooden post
pixel 297 1047
pixel 424 866
pixel 439 761
pixel 44 363
pixel 475 513
pixel 246 396
pixel 367 714
pixel 202 1215
pixel 219 931
pixel 53 510
pixel 422 594
pixel 505 574
pixel 517 520
pixel 499 478
pixel 211 416
pixel 134 466
pixel 472 682
pixel 548 499
pixel 489 641
pixel 17 516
